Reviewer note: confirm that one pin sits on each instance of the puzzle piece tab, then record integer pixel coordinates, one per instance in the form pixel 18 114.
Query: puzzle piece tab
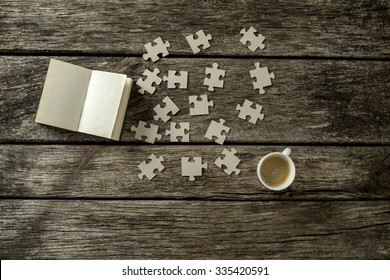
pixel 181 131
pixel 163 112
pixel 214 79
pixel 215 129
pixel 192 168
pixel 201 40
pixel 153 50
pixel 201 105
pixel 174 79
pixel 148 84
pixel 247 110
pixel 147 169
pixel 256 41
pixel 263 77
pixel 151 132
pixel 230 161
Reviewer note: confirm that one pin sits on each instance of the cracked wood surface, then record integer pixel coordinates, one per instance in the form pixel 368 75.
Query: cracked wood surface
pixel 69 195
pixel 196 229
pixel 354 28
pixel 74 171
pixel 311 101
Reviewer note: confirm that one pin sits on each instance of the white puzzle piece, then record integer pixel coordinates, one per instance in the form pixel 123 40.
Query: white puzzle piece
pixel 163 112
pixel 192 168
pixel 174 79
pixel 214 79
pixel 256 41
pixel 147 169
pixel 150 133
pixel 150 82
pixel 247 110
pixel 230 161
pixel 215 129
pixel 153 50
pixel 201 40
pixel 179 133
pixel 201 105
pixel 263 77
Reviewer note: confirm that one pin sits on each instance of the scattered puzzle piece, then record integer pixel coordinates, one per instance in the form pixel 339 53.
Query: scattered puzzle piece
pixel 147 169
pixel 215 129
pixel 159 47
pixel 174 79
pixel 148 83
pixel 201 105
pixel 247 110
pixel 151 132
pixel 179 132
pixel 230 161
pixel 214 79
pixel 192 168
pixel 250 36
pixel 163 112
pixel 201 40
pixel 263 77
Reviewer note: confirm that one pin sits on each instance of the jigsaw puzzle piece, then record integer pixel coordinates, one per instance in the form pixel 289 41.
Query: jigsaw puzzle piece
pixel 163 112
pixel 201 105
pixel 148 84
pixel 215 129
pixel 181 131
pixel 150 133
pixel 247 110
pixel 154 50
pixel 174 79
pixel 263 77
pixel 147 169
pixel 230 161
pixel 256 41
pixel 200 40
pixel 214 78
pixel 192 168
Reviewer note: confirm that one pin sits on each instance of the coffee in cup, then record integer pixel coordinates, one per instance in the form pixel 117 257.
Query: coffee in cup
pixel 276 171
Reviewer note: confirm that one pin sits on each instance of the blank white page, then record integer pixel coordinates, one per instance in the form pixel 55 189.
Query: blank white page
pixel 102 103
pixel 63 95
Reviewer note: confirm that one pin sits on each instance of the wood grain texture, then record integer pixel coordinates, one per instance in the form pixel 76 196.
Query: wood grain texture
pixel 66 195
pixel 305 28
pixel 323 173
pixel 311 101
pixel 193 230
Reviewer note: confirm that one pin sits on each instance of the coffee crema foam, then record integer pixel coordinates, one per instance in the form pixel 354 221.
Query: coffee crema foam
pixel 275 171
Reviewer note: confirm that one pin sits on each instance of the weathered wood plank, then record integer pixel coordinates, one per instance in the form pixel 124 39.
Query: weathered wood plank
pixel 311 101
pixel 57 229
pixel 316 28
pixel 71 171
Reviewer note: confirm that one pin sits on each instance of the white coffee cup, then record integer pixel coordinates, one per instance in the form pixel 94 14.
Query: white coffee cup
pixel 276 171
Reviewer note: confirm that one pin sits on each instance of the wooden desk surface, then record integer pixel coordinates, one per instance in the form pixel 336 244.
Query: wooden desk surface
pixel 69 195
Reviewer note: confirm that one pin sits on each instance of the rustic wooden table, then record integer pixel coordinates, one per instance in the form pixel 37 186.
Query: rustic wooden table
pixel 69 195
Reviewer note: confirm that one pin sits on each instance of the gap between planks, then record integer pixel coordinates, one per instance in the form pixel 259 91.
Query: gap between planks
pixel 173 199
pixel 226 143
pixel 197 56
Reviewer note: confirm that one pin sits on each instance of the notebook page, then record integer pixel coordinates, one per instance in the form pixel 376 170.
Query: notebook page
pixel 102 103
pixel 63 95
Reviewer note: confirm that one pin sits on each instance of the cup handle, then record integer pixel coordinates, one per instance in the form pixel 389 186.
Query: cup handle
pixel 287 151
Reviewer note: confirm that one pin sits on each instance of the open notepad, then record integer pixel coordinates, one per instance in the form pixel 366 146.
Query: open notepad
pixel 83 100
